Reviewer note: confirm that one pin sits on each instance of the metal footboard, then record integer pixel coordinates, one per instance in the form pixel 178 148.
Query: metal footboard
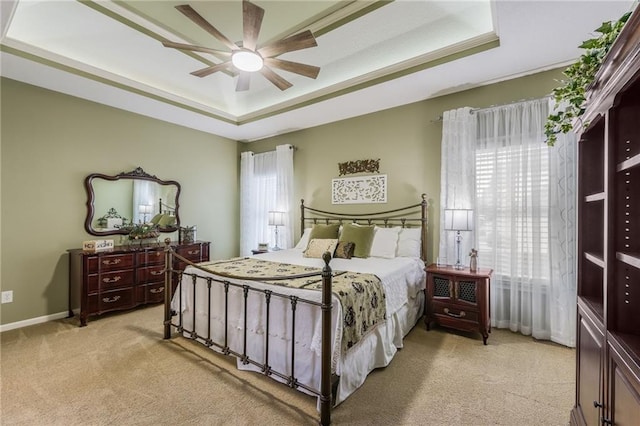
pixel 174 280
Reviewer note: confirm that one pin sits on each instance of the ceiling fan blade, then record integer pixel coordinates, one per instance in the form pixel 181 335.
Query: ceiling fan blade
pixel 193 48
pixel 243 81
pixel 310 71
pixel 251 23
pixel 210 70
pixel 280 82
pixel 190 13
pixel 298 41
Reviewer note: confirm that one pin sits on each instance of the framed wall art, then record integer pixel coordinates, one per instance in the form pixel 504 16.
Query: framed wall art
pixel 359 190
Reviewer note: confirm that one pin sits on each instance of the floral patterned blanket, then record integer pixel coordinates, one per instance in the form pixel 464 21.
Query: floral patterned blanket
pixel 361 295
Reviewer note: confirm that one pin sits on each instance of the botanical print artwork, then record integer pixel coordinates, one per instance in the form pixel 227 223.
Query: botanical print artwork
pixel 359 190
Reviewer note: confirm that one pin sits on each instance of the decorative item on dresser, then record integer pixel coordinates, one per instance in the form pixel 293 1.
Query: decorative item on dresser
pixel 608 323
pixel 123 278
pixel 459 298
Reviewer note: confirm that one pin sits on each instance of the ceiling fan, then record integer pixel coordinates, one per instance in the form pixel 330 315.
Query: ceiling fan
pixel 247 57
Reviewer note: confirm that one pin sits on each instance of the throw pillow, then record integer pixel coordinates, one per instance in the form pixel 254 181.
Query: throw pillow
pixel 319 246
pixel 344 250
pixel 360 235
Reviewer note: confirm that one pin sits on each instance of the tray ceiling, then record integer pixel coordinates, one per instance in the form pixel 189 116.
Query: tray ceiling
pixel 372 54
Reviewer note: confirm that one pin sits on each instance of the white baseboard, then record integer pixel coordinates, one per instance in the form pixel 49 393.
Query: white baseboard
pixel 32 321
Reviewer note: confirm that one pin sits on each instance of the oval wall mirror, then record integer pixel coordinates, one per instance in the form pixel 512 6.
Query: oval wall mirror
pixel 131 197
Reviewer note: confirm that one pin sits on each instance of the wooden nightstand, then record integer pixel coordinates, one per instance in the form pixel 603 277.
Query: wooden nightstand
pixel 458 298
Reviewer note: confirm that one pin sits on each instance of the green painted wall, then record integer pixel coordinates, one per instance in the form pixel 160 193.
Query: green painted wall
pixel 406 139
pixel 51 142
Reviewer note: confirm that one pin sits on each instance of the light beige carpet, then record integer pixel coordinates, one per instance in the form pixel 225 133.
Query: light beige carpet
pixel 118 370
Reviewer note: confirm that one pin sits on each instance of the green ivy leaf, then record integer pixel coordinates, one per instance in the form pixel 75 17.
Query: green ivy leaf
pixel 579 76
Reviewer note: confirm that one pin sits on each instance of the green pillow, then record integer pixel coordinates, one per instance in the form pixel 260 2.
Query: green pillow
pixel 156 218
pixel 167 221
pixel 361 236
pixel 324 232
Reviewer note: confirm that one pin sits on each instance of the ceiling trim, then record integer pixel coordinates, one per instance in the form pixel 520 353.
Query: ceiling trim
pixel 447 54
pixel 55 61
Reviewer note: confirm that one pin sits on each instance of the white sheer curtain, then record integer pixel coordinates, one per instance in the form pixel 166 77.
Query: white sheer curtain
pixel 562 239
pixel 525 219
pixel 266 184
pixel 458 178
pixel 144 193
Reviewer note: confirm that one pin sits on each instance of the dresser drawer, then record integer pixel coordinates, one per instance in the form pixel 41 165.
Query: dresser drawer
pixel 150 293
pixel 150 274
pixel 193 252
pixel 111 300
pixel 110 262
pixel 110 280
pixel 151 257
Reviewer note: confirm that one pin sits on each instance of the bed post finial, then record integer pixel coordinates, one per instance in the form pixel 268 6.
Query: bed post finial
pixel 168 261
pixel 301 217
pixel 325 371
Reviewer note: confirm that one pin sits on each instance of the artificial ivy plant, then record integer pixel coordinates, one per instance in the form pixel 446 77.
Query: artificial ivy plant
pixel 570 97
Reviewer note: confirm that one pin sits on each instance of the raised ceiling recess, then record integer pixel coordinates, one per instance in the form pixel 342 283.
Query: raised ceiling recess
pixel 246 58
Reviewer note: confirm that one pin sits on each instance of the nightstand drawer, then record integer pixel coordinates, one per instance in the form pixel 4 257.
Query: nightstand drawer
pixel 456 312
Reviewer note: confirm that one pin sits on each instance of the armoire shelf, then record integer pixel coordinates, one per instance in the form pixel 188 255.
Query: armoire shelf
pixel 608 308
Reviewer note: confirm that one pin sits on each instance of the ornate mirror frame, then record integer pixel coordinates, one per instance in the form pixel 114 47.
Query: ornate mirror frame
pixel 137 174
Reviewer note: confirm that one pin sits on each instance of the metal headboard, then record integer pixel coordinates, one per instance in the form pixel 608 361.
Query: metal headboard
pixel 412 216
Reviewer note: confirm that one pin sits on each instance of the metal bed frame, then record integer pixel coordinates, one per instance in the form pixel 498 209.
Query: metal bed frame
pixel 174 280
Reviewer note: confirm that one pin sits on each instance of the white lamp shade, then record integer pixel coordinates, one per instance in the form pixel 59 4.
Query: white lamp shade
pixel 276 218
pixel 145 208
pixel 458 220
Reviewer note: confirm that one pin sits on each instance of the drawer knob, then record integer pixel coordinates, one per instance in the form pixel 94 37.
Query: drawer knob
pixel 462 314
pixel 157 290
pixel 111 299
pixel 193 251
pixel 111 262
pixel 112 280
pixel 157 272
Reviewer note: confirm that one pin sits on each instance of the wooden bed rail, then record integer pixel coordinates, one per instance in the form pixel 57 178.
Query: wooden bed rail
pixel 325 391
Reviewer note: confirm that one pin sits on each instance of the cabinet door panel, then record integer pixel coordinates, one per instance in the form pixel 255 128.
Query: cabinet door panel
pixel 590 346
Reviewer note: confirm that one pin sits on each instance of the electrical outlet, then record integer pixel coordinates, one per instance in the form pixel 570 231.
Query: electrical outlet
pixel 7 296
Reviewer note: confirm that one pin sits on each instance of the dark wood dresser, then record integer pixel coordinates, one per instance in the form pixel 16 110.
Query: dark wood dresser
pixel 123 278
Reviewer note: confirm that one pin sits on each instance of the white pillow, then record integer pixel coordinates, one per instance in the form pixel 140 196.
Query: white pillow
pixel 385 242
pixel 409 242
pixel 304 239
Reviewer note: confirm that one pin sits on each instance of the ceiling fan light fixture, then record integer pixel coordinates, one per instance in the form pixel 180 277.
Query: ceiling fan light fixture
pixel 246 60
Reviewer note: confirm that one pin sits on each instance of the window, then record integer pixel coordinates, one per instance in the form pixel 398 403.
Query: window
pixel 512 202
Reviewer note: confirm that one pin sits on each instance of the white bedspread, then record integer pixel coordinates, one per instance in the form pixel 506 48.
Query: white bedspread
pixel 403 281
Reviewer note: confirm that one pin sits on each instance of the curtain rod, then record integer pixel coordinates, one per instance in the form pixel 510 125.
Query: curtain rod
pixel 293 147
pixel 474 110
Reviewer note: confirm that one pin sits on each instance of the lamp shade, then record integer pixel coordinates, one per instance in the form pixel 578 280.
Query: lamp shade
pixel 145 208
pixel 276 218
pixel 458 220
